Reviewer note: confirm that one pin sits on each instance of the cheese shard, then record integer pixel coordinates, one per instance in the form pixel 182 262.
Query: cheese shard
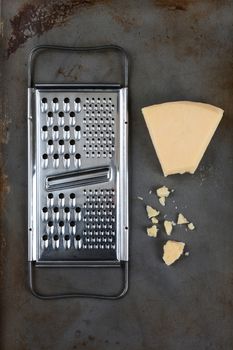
pixel 151 212
pixel 180 132
pixel 163 192
pixel 172 250
pixel 162 201
pixel 154 220
pixel 182 220
pixel 191 226
pixel 168 227
pixel 152 231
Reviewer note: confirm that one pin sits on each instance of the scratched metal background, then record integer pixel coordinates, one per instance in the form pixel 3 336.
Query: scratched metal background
pixel 179 49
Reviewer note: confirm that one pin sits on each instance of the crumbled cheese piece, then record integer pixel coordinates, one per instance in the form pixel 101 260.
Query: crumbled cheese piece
pixel 172 250
pixel 151 212
pixel 191 226
pixel 154 220
pixel 163 192
pixel 186 253
pixel 182 220
pixel 141 199
pixel 168 227
pixel 152 231
pixel 162 201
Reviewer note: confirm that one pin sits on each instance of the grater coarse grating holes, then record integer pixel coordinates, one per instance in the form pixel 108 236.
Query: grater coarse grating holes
pixel 78 174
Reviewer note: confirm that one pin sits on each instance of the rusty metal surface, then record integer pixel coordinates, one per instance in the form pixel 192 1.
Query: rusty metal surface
pixel 179 49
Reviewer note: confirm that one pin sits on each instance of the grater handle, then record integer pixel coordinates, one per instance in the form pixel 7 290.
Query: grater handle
pixel 35 51
pixel 80 295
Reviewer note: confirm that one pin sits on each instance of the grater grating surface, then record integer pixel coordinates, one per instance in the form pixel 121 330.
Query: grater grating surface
pixel 77 174
pixel 78 153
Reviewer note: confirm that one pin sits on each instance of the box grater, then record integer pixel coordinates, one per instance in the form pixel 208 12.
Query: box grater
pixel 77 173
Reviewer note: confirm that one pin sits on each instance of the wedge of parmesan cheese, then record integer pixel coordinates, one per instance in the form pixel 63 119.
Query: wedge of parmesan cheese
pixel 181 132
pixel 151 212
pixel 172 251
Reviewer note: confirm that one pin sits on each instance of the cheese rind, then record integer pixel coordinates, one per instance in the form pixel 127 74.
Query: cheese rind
pixel 172 250
pixel 180 132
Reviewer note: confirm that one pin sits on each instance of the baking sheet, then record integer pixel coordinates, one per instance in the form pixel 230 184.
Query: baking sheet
pixel 178 50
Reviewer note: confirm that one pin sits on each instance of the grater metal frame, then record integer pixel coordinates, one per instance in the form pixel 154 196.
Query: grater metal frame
pixel 123 261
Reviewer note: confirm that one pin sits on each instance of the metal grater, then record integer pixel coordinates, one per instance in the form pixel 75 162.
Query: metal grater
pixel 78 176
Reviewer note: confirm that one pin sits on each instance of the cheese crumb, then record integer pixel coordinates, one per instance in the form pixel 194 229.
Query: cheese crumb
pixel 163 192
pixel 152 231
pixel 162 201
pixel 172 250
pixel 154 220
pixel 168 227
pixel 182 220
pixel 191 226
pixel 186 253
pixel 151 212
pixel 141 199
